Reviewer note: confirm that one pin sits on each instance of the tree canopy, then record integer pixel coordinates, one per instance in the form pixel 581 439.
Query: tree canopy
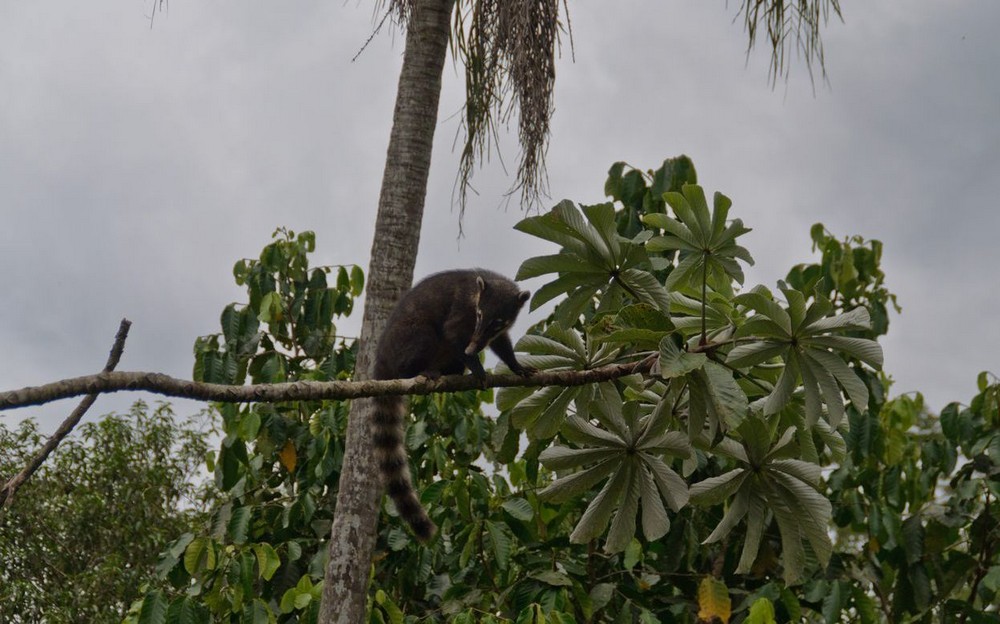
pixel 759 472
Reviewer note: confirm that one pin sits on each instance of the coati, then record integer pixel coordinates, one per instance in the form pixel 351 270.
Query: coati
pixel 437 328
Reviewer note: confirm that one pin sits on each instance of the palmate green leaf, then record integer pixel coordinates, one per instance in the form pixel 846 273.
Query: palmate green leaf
pixel 607 408
pixel 682 304
pixel 728 447
pixel 643 284
pixel 655 522
pixel 716 399
pixel 717 323
pixel 623 526
pixel 784 388
pixel 568 311
pixel 564 457
pixel 734 514
pixel 679 204
pixel 678 235
pixel 784 448
pixel 769 308
pixel 566 344
pixel 707 244
pixel 529 409
pixel 796 305
pixel 820 308
pixel 714 490
pixel 595 518
pixel 868 351
pixel 568 284
pixel 793 556
pixel 602 218
pixel 726 398
pixel 721 269
pixel 622 531
pixel 720 212
pixel 671 486
pixel 585 231
pixel 693 199
pixel 553 226
pixel 762 328
pixel 756 440
pixel 551 419
pixel 623 449
pixel 754 353
pixel 833 440
pixel 643 316
pixel 686 270
pixel 542 411
pixel 660 418
pixel 577 483
pixel 580 431
pixel 768 484
pixel 558 263
pixel 806 472
pixel 810 389
pixel 508 398
pixel 818 374
pixel 670 442
pixel 813 509
pixel 856 319
pixel 850 382
pixel 724 241
pixel 588 240
pixel 758 517
pixel 805 351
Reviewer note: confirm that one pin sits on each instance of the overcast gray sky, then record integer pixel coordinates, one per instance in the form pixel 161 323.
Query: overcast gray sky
pixel 137 164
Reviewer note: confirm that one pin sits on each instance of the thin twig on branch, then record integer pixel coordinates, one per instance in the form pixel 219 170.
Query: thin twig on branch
pixel 300 390
pixel 11 487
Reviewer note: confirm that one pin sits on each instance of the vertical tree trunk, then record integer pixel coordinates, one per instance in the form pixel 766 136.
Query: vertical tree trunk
pixel 390 272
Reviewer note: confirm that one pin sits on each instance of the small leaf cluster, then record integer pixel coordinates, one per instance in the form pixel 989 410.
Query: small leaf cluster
pixel 261 556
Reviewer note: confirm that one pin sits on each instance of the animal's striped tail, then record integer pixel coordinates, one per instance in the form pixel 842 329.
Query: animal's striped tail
pixel 390 452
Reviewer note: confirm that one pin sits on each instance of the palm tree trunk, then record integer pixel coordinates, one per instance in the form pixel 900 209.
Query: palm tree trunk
pixel 394 252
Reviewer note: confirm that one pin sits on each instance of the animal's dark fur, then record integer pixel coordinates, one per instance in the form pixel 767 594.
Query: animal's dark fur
pixel 437 328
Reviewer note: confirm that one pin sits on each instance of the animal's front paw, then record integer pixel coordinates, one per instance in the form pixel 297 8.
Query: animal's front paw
pixel 525 371
pixel 481 380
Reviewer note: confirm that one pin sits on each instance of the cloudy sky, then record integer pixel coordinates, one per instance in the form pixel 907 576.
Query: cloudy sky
pixel 139 162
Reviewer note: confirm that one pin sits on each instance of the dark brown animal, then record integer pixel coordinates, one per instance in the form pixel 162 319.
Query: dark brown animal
pixel 437 328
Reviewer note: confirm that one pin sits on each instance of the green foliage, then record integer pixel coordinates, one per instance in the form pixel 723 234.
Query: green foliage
pixel 771 476
pixel 82 535
pixel 261 557
pixel 629 451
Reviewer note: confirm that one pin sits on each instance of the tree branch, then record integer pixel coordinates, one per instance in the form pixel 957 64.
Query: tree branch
pixel 158 383
pixel 11 487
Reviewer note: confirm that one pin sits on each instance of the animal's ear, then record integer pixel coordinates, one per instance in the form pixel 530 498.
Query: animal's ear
pixel 481 282
pixel 523 296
